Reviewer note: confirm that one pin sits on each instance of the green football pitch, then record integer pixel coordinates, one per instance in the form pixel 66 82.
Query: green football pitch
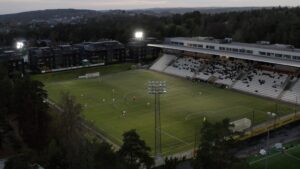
pixel 290 159
pixel 183 107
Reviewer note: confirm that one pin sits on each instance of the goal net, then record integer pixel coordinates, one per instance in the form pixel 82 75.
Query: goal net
pixel 90 75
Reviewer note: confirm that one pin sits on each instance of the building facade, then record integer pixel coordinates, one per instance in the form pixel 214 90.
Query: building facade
pixel 44 59
pixel 139 51
pixel 13 60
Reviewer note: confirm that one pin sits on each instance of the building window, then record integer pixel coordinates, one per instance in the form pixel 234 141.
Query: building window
pixel 235 50
pixel 177 43
pixel 200 46
pixel 249 51
pixel 242 50
pixel 210 47
pixel 296 57
pixel 287 57
pixel 222 48
pixel 262 53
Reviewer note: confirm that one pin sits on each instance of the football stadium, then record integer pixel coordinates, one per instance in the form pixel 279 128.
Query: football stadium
pixel 205 79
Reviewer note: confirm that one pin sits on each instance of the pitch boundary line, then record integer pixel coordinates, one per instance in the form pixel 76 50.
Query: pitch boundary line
pixel 259 160
pixel 292 156
pixel 174 137
pixel 273 155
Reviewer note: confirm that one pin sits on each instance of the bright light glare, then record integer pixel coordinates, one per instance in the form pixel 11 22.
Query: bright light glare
pixel 139 35
pixel 19 45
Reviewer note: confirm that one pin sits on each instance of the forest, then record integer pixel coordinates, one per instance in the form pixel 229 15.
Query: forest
pixel 277 25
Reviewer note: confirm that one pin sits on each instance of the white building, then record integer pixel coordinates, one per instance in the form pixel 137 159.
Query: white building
pixel 261 51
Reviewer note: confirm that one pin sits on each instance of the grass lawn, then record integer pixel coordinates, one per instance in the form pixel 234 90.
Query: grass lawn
pixel 277 160
pixel 182 108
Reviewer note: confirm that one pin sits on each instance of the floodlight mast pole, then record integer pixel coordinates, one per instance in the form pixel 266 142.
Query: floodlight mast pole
pixel 273 117
pixel 157 125
pixel 296 104
pixel 157 88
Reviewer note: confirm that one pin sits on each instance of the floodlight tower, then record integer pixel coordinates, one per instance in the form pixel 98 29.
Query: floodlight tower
pixel 157 88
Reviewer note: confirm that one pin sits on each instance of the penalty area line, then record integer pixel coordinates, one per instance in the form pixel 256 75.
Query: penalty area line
pixel 174 137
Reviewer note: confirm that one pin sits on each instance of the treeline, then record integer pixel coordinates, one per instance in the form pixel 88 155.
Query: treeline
pixel 277 25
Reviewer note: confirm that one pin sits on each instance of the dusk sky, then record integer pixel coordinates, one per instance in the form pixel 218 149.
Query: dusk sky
pixel 13 6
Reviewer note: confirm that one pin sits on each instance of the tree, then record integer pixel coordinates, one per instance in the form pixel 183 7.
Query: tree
pixel 24 115
pixel 5 98
pixel 134 151
pixel 69 148
pixel 215 149
pixel 172 162
pixel 70 116
pixel 22 161
pixel 31 112
pixel 106 158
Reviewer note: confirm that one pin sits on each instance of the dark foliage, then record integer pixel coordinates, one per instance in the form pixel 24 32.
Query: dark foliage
pixel 277 25
pixel 134 151
pixel 215 149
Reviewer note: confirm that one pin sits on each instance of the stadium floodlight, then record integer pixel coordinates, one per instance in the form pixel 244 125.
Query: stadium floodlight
pixel 20 45
pixel 139 35
pixel 157 88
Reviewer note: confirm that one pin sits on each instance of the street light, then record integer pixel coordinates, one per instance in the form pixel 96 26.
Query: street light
pixel 157 88
pixel 272 116
pixel 296 105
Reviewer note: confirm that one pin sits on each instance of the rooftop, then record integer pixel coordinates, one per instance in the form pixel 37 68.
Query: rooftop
pixel 228 41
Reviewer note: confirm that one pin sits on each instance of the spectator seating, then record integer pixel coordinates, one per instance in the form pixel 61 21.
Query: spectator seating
pixel 292 95
pixel 225 71
pixel 185 67
pixel 163 62
pixel 261 82
pixel 256 81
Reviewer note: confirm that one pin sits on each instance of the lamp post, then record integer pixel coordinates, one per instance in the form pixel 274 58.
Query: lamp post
pixel 272 116
pixel 296 104
pixel 157 88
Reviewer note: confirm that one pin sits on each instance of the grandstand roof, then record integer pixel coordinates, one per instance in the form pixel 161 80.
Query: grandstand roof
pixel 281 47
pixel 230 54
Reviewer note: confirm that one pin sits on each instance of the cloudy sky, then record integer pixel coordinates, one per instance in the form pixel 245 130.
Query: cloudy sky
pixel 12 6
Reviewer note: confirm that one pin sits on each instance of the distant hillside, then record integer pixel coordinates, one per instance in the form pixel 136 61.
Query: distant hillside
pixel 46 15
pixel 211 10
pixel 62 13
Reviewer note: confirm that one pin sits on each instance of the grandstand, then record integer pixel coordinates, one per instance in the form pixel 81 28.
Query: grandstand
pixel 163 62
pixel 185 67
pixel 236 74
pixel 274 77
pixel 293 94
